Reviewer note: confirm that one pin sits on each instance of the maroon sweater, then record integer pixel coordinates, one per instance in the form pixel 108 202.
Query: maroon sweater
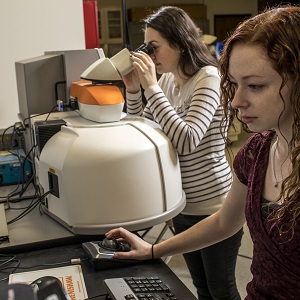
pixel 276 256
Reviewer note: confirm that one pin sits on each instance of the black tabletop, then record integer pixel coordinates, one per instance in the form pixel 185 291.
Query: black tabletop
pixel 50 257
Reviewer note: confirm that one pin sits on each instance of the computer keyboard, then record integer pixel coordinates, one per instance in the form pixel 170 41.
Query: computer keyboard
pixel 138 288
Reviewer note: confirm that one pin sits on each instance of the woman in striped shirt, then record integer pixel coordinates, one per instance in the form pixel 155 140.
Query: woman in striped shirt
pixel 185 102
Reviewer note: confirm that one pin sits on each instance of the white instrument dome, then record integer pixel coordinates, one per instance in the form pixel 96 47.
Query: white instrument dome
pixel 104 176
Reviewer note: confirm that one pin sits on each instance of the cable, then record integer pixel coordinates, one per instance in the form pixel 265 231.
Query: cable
pixel 11 199
pixel 4 262
pixel 7 261
pixel 245 256
pixel 26 158
pixel 3 239
pixel 22 161
pixel 14 149
pixel 77 261
pixel 41 114
pixel 52 110
pixel 30 207
pixel 6 265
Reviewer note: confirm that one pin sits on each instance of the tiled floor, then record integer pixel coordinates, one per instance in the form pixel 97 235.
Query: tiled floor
pixel 177 263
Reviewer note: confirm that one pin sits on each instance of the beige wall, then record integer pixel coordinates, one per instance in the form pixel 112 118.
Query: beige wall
pixel 27 29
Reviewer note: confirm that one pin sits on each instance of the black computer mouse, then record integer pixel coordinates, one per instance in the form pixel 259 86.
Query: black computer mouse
pixel 44 282
pixel 47 286
pixel 110 244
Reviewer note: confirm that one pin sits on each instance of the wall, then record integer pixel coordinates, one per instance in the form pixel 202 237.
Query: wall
pixel 27 29
pixel 214 7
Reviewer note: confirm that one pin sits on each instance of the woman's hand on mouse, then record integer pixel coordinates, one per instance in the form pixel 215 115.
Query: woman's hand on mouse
pixel 140 250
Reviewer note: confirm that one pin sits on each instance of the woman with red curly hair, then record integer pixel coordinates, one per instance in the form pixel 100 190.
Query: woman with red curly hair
pixel 260 84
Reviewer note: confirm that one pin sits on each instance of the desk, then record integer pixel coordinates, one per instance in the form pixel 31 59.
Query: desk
pixel 93 279
pixel 36 231
pixel 38 239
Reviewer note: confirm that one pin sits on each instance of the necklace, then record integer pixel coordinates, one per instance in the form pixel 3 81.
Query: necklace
pixel 274 169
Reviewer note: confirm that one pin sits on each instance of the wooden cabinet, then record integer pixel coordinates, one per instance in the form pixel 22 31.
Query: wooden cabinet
pixel 111 30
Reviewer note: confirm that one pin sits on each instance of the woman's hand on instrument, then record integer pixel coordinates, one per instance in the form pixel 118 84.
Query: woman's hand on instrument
pixel 132 82
pixel 140 250
pixel 145 68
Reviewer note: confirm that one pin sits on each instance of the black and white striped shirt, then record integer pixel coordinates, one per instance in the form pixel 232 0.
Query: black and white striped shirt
pixel 191 118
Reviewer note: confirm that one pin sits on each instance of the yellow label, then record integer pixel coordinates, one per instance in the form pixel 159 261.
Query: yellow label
pixel 51 170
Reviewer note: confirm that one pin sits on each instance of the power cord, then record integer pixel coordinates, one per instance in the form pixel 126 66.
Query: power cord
pixel 54 108
pixel 15 148
pixel 245 256
pixel 73 261
pixel 6 263
pixel 30 207
pixel 10 264
pixel 72 105
pixel 3 239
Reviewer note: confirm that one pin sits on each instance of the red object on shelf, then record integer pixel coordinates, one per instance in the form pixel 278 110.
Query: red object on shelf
pixel 91 28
